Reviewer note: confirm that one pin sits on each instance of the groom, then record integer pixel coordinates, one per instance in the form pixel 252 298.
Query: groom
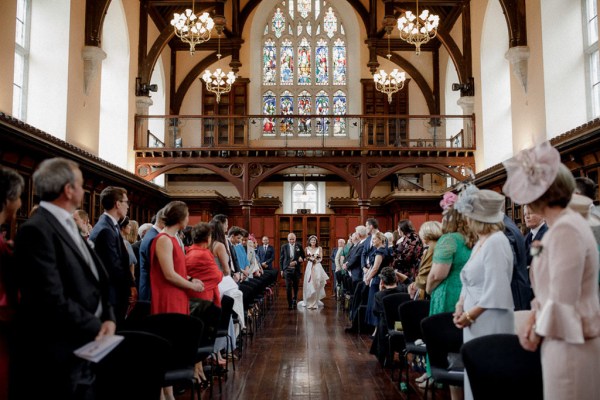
pixel 291 258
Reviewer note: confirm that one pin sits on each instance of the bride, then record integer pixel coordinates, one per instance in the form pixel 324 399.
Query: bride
pixel 314 276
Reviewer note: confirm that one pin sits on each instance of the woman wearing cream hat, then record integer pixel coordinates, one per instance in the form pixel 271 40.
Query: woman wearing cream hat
pixel 485 305
pixel 565 316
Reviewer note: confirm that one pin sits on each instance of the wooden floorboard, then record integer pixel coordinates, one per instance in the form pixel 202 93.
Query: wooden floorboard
pixel 306 354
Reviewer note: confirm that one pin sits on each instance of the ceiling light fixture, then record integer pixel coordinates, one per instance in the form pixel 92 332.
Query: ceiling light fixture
pixel 218 82
pixel 418 29
pixel 392 82
pixel 192 29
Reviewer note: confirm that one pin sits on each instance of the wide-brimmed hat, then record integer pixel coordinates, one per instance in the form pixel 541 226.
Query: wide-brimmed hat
pixel 531 172
pixel 480 205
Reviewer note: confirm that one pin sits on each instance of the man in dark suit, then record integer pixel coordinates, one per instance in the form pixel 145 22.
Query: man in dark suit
pixel 266 254
pixel 64 292
pixel 537 228
pixel 109 245
pixel 291 258
pixel 354 260
pixel 368 251
pixel 519 284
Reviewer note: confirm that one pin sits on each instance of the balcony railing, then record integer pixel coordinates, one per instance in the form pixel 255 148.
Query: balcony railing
pixel 305 131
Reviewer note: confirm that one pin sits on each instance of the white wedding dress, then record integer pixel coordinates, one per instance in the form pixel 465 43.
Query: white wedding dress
pixel 315 279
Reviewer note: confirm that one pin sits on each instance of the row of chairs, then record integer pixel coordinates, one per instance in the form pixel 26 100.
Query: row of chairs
pixel 162 350
pixel 497 365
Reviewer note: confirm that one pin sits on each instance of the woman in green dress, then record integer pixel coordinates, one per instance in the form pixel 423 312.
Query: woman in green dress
pixel 451 253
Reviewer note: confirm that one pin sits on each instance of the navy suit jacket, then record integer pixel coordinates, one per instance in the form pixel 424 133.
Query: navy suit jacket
pixel 354 261
pixel 529 239
pixel 109 246
pixel 266 256
pixel 520 285
pixel 56 313
pixel 285 258
pixel 145 291
pixel 368 253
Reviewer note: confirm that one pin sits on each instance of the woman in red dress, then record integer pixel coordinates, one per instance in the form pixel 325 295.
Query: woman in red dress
pixel 168 274
pixel 201 264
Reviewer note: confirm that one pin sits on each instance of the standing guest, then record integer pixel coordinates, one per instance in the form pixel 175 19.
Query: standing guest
pixel 368 251
pixel 382 259
pixel 266 254
pixel 485 306
pixel 315 278
pixel 135 246
pixel 290 260
pixel 537 229
pixel 11 186
pixel 338 261
pixel 587 187
pixel 108 243
pixel 429 233
pixel 168 274
pixel 520 285
pixel 565 316
pixel 201 264
pixel 408 252
pixel 127 228
pixel 82 219
pixel 64 292
pixel 145 290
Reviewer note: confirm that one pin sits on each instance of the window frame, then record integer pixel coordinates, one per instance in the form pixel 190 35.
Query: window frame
pixel 22 51
pixel 592 55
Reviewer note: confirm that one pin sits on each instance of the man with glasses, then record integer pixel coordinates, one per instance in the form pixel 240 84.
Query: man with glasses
pixel 109 245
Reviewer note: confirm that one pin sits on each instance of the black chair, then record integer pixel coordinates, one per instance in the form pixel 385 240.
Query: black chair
pixel 209 314
pixel 223 328
pixel 140 311
pixel 442 337
pixel 395 339
pixel 499 368
pixel 184 332
pixel 411 314
pixel 134 369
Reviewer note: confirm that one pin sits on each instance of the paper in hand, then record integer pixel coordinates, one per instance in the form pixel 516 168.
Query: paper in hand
pixel 96 350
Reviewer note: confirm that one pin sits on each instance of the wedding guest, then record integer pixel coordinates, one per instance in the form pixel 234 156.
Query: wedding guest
pixel 429 233
pixel 537 229
pixel 485 306
pixel 11 186
pixel 200 264
pixel 565 316
pixel 408 253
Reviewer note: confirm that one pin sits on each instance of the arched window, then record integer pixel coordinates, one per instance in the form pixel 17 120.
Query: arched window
pixel 305 196
pixel 592 56
pixel 304 71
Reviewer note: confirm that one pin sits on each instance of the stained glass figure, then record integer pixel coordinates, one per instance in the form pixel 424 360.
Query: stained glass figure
pixel 304 7
pixel 287 108
pixel 322 63
pixel 309 28
pixel 268 109
pixel 278 23
pixel 287 63
pixel 339 108
pixel 330 23
pixel 322 108
pixel 304 69
pixel 339 63
pixel 269 63
pixel 266 32
pixel 299 29
pixel 304 108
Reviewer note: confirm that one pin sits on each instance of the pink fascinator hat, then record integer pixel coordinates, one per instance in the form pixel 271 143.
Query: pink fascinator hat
pixel 531 172
pixel 448 200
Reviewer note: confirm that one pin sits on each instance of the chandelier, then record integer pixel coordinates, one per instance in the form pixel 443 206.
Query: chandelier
pixel 418 29
pixel 392 82
pixel 192 29
pixel 218 82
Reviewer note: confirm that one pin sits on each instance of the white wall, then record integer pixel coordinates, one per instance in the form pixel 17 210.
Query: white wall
pixel 114 118
pixel 495 88
pixel 48 66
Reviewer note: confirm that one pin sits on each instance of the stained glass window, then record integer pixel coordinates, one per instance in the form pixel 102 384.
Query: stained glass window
pixel 304 70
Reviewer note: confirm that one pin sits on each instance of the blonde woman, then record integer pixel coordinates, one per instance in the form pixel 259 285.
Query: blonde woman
pixel 429 233
pixel 315 277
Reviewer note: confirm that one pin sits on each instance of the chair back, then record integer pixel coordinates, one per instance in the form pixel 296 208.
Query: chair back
pixel 184 332
pixel 499 368
pixel 390 308
pixel 140 311
pixel 209 314
pixel 411 314
pixel 135 368
pixel 441 337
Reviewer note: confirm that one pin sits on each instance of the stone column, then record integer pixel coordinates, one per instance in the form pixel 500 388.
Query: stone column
pixel 467 103
pixel 92 60
pixel 142 104
pixel 519 57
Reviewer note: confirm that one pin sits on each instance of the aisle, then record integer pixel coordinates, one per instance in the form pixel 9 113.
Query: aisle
pixel 306 354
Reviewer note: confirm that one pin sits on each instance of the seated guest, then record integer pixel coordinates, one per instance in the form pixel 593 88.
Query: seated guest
pixel 255 268
pixel 201 264
pixel 388 285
